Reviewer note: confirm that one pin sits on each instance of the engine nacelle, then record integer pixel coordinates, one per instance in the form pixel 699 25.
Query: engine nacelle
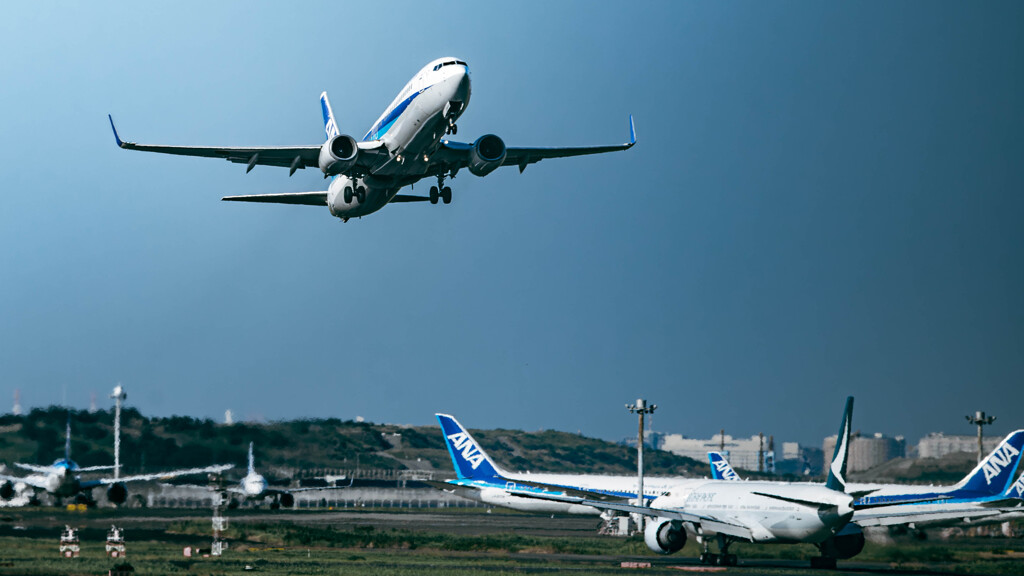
pixel 338 154
pixel 665 536
pixel 287 500
pixel 117 493
pixel 487 153
pixel 7 490
pixel 847 543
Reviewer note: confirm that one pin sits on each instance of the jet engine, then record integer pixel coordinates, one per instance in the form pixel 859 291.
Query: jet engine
pixel 664 536
pixel 117 493
pixel 487 153
pixel 287 500
pixel 7 490
pixel 847 543
pixel 338 154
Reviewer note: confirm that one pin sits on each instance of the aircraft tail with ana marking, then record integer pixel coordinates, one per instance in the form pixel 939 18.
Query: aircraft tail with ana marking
pixel 720 468
pixel 993 475
pixel 469 459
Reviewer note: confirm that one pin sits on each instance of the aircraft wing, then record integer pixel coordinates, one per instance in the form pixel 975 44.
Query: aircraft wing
pixel 158 475
pixel 729 527
pixel 35 482
pixel 880 517
pixel 456 154
pixel 304 198
pixel 34 468
pixel 291 157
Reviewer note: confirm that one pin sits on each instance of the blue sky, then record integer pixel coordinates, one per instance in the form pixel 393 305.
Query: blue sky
pixel 825 200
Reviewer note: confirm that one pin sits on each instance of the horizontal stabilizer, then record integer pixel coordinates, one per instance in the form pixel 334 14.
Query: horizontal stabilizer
pixel 304 198
pixel 407 198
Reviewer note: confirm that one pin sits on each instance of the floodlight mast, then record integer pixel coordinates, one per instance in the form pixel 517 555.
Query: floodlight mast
pixel 980 420
pixel 641 407
pixel 119 395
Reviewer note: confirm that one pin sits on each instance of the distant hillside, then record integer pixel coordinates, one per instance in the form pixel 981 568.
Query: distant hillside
pixel 949 469
pixel 181 441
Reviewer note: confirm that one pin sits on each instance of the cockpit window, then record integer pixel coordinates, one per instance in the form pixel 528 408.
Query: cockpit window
pixel 449 63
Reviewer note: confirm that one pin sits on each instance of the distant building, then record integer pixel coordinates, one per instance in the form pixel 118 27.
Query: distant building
pixel 937 444
pixel 867 451
pixel 742 452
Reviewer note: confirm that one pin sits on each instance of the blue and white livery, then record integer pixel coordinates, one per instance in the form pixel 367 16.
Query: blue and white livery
pixel 720 468
pixel 480 478
pixel 405 145
pixel 63 478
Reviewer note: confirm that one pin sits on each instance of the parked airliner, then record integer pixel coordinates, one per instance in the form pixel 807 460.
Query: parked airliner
pixel 406 144
pixel 62 479
pixel 710 510
pixel 986 495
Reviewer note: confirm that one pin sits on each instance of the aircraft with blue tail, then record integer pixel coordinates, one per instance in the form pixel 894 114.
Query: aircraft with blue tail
pixel 405 145
pixel 480 478
pixel 63 478
pixel 987 495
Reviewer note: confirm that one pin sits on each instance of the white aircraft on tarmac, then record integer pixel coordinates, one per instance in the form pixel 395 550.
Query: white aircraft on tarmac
pixel 406 144
pixel 62 479
pixel 724 511
pixel 986 495
pixel 255 487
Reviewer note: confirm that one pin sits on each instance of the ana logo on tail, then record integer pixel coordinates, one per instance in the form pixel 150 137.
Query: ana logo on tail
pixel 1002 457
pixel 725 472
pixel 1017 490
pixel 470 451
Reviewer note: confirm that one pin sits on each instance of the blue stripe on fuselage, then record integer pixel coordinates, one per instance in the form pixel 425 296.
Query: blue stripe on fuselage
pixel 381 128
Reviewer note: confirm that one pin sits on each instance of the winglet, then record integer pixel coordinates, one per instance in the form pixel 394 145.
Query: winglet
pixel 117 138
pixel 632 131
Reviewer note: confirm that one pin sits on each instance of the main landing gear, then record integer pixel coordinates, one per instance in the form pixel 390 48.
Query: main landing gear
pixel 359 192
pixel 440 191
pixel 452 128
pixel 723 559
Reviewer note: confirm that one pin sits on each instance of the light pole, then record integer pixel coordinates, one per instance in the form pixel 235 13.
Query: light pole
pixel 641 407
pixel 119 396
pixel 980 420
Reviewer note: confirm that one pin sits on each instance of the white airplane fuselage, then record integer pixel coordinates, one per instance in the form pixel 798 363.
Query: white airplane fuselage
pixel 411 129
pixel 254 486
pixel 782 519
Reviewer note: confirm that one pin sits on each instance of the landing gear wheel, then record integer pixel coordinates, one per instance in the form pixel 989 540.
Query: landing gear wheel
pixel 433 195
pixel 446 195
pixel 455 129
pixel 275 505
pixel 361 194
pixel 348 194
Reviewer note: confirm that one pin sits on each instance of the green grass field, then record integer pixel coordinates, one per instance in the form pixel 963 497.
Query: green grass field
pixel 279 547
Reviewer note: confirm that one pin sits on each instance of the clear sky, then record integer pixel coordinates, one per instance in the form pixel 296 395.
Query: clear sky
pixel 826 199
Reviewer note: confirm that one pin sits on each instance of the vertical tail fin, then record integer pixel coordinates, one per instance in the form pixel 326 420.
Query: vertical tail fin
pixel 837 470
pixel 1017 490
pixel 469 459
pixel 993 475
pixel 252 461
pixel 720 468
pixel 67 439
pixel 330 126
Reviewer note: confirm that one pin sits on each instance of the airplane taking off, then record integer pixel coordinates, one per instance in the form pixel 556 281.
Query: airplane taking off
pixel 255 487
pixel 406 144
pixel 62 479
